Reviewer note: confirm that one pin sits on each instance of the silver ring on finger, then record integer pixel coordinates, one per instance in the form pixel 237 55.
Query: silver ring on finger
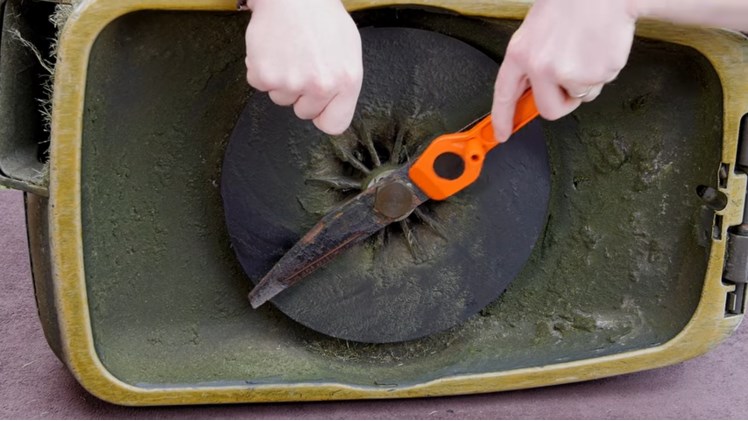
pixel 593 93
pixel 581 94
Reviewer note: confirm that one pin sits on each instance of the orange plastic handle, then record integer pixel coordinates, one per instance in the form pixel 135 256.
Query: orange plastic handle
pixel 471 146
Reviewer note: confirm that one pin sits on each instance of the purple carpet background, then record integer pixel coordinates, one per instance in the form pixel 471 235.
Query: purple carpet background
pixel 34 384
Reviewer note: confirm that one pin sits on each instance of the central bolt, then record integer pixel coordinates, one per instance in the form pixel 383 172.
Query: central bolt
pixel 394 200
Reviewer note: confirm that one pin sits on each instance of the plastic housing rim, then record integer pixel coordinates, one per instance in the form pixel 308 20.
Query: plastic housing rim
pixel 726 51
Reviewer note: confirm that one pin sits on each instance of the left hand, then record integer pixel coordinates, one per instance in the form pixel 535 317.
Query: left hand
pixel 306 54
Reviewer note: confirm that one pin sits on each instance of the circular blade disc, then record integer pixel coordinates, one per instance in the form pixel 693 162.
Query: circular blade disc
pixel 445 262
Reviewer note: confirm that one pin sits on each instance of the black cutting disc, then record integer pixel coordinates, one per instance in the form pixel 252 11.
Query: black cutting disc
pixel 441 265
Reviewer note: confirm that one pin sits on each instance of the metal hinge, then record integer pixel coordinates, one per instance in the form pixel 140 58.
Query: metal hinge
pixel 736 270
pixel 736 259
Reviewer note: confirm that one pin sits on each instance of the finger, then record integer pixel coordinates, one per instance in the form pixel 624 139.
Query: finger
pixel 551 99
pixel 308 107
pixel 576 90
pixel 511 82
pixel 593 94
pixel 579 84
pixel 337 116
pixel 283 98
pixel 256 80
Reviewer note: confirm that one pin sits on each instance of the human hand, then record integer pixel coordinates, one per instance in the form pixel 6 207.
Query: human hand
pixel 306 53
pixel 566 50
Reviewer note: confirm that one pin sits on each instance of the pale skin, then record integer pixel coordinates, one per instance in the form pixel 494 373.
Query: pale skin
pixel 307 53
pixel 567 50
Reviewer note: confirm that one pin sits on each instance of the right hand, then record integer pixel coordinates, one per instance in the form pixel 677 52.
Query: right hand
pixel 566 50
pixel 306 54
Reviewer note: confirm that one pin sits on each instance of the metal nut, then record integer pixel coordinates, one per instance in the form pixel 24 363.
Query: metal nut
pixel 394 201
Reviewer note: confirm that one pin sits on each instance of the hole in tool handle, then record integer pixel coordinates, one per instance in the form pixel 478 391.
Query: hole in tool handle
pixel 449 166
pixel 436 170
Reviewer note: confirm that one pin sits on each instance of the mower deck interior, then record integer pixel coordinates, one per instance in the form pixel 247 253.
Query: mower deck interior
pixel 619 266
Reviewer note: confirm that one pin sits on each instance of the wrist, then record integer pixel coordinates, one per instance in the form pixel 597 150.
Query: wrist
pixel 658 9
pixel 251 4
pixel 246 4
pixel 638 8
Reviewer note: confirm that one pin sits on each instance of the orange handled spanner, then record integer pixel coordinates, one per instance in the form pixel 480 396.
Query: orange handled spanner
pixel 449 164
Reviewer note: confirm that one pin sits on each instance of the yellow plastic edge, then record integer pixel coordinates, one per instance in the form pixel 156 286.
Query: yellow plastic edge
pixel 728 53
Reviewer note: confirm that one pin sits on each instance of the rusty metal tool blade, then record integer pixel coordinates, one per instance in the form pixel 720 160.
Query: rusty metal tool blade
pixel 346 225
